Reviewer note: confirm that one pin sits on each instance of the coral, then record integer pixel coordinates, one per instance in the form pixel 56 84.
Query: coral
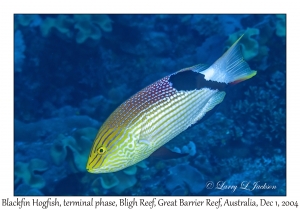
pixel 161 165
pixel 266 30
pixel 180 191
pixel 190 148
pixel 118 94
pixel 250 46
pixel 25 190
pixel 96 106
pixel 119 181
pixel 131 170
pixel 58 150
pixel 269 169
pixel 109 180
pixel 267 111
pixel 65 111
pixel 62 24
pixel 154 43
pixel 103 21
pixel 86 30
pixel 216 130
pixel 126 181
pixel 182 175
pixel 142 164
pixel 231 23
pixel 206 25
pixel 87 132
pixel 116 182
pixel 19 49
pixel 87 26
pixel 209 25
pixel 27 132
pixel 212 45
pixel 281 25
pixel 79 145
pixel 28 19
pixel 81 152
pixel 157 43
pixel 26 171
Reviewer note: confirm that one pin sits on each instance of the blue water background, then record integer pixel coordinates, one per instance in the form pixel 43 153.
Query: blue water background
pixel 72 71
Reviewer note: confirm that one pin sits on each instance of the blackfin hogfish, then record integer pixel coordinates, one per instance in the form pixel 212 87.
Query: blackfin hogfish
pixel 164 109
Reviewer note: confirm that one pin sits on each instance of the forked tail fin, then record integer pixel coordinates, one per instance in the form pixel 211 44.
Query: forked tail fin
pixel 230 67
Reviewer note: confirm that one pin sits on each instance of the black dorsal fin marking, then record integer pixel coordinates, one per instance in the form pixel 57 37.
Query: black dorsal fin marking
pixel 190 80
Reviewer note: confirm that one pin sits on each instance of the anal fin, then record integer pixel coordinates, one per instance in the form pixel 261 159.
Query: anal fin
pixel 212 102
pixel 165 153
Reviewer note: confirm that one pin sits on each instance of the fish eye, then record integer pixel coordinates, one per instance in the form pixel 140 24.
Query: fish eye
pixel 101 150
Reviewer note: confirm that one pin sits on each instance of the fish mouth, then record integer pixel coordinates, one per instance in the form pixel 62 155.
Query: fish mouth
pixel 89 170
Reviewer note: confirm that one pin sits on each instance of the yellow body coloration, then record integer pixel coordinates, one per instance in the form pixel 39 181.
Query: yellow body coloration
pixel 161 111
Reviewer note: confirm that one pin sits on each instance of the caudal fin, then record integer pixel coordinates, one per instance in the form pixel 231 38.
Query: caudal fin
pixel 230 67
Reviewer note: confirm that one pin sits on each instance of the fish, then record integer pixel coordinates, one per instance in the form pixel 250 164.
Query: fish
pixel 145 122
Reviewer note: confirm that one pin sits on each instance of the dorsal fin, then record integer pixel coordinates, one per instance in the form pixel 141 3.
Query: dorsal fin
pixel 197 68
